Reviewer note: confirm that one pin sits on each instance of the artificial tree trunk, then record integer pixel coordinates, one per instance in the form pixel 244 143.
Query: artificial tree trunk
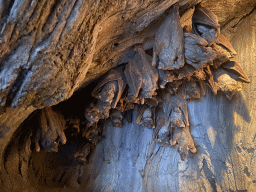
pixel 51 50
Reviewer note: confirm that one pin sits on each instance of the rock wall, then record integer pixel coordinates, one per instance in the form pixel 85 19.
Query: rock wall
pixel 49 49
pixel 128 160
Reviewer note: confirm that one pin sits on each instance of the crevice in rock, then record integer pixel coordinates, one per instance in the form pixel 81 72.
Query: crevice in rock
pixel 245 16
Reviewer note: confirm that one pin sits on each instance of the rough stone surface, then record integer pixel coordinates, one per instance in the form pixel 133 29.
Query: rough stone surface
pixel 223 132
pixel 49 49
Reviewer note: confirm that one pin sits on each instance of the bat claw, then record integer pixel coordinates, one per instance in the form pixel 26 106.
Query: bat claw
pixel 193 150
pixel 172 143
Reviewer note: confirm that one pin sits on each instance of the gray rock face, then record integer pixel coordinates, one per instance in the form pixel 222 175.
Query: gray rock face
pixel 49 49
pixel 129 160
pixel 223 132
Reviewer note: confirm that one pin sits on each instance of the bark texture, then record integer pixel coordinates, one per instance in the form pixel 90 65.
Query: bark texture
pixel 50 49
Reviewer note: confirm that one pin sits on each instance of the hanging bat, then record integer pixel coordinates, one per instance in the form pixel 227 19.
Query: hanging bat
pixel 72 127
pixel 93 133
pixel 194 90
pixel 166 76
pixel 162 132
pixel 141 77
pixel 152 102
pixel 169 90
pixel 235 71
pixel 110 88
pixel 196 52
pixel 205 24
pixel 97 110
pixel 83 150
pixel 226 78
pixel 176 118
pixel 146 116
pixel 183 140
pixel 169 42
pixel 227 85
pixel 108 92
pixel 50 130
pixel 116 118
pixel 176 112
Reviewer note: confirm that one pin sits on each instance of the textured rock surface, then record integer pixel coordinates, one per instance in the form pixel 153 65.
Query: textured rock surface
pixel 223 132
pixel 51 48
pixel 129 155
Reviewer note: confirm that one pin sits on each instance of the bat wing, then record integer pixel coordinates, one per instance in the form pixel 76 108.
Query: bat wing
pixel 184 110
pixel 140 112
pixel 133 77
pixel 205 17
pixel 212 84
pixel 168 109
pixel 169 40
pixel 226 43
pixel 174 102
pixel 236 70
pixel 149 74
pixel 112 75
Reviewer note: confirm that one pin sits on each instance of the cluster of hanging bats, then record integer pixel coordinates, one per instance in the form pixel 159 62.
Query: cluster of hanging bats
pixel 184 61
